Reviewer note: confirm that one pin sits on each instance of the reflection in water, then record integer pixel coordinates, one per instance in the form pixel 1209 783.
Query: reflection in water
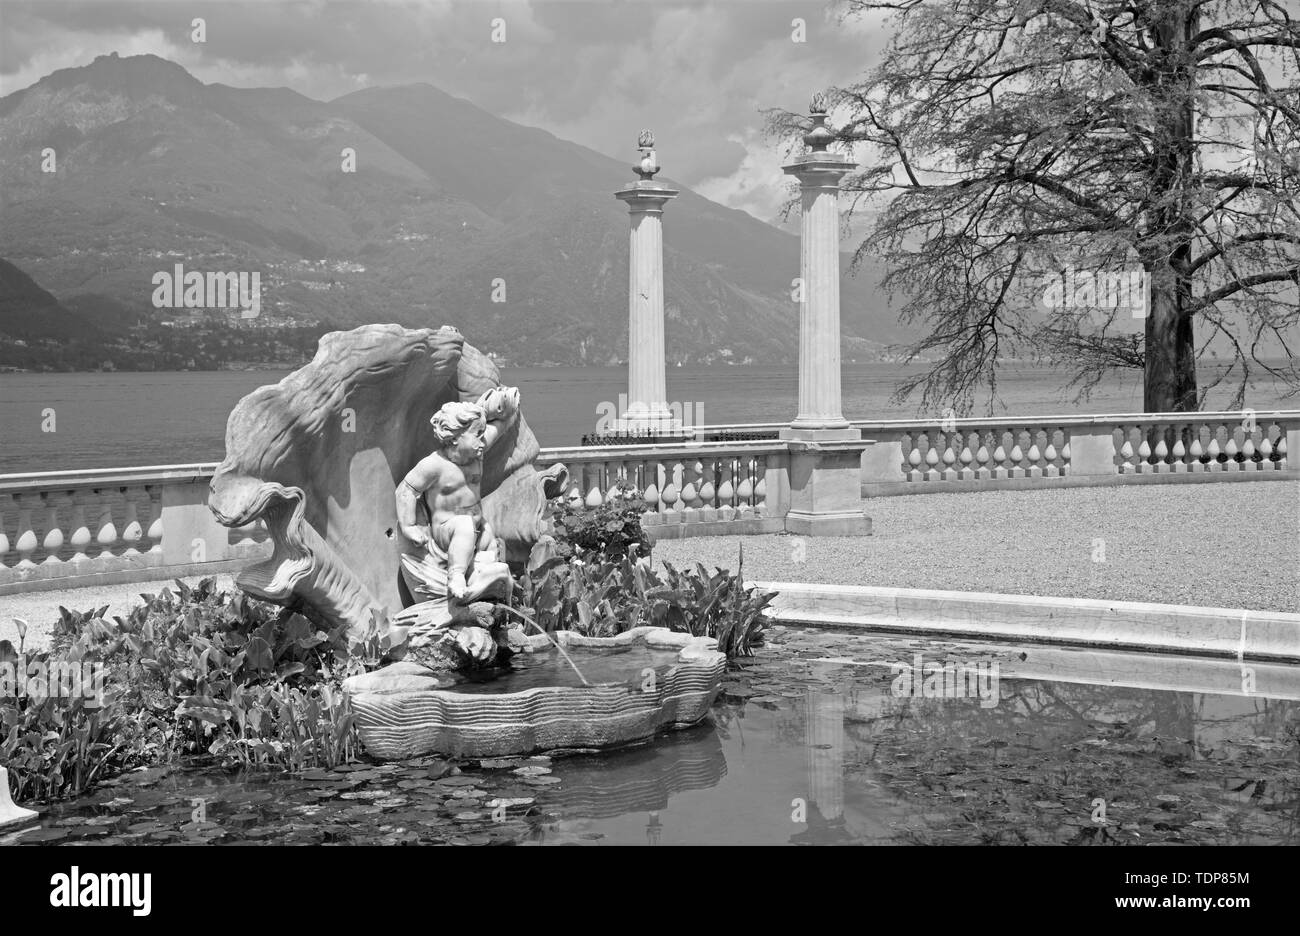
pixel 824 731
pixel 809 744
pixel 824 721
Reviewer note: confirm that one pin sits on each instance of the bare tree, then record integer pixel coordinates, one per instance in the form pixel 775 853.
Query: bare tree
pixel 1163 136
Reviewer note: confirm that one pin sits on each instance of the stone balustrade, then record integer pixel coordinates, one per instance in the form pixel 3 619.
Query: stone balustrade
pixel 914 456
pixel 70 528
pixel 687 489
pixel 74 528
pixel 910 456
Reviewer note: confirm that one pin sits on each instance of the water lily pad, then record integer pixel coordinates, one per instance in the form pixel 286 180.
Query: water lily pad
pixel 458 781
pixel 51 834
pixel 533 770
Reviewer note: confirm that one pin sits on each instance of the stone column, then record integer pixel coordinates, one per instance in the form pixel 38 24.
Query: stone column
pixel 647 388
pixel 825 451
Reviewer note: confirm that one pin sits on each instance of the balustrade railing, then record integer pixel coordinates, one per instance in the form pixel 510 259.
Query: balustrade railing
pixel 112 525
pixel 684 489
pixel 84 527
pixel 912 456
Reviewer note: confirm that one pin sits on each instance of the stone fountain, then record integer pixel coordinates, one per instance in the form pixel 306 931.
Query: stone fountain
pixel 396 477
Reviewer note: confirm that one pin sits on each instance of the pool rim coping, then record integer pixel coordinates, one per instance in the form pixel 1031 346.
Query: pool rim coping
pixel 1149 627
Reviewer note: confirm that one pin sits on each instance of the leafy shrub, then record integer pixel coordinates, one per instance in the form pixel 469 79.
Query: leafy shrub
pixel 602 597
pixel 202 673
pixel 609 531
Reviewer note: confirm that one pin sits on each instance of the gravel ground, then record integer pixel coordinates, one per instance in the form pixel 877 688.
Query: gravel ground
pixel 1225 545
pixel 41 609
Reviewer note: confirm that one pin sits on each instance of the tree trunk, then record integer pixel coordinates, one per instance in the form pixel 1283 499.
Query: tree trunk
pixel 1169 378
pixel 1169 373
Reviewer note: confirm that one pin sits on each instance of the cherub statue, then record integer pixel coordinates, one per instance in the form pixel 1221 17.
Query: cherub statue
pixel 460 561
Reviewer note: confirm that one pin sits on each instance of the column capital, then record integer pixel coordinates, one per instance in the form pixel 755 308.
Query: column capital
pixel 820 169
pixel 645 195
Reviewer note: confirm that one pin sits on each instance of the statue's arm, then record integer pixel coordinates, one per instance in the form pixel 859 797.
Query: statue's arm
pixel 501 404
pixel 418 480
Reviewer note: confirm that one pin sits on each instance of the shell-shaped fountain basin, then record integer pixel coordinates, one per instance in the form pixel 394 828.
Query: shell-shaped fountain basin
pixel 644 681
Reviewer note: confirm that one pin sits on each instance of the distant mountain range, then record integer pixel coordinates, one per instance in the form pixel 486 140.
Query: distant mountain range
pixel 155 168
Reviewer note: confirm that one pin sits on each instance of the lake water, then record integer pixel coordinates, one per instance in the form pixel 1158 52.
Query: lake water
pixel 114 420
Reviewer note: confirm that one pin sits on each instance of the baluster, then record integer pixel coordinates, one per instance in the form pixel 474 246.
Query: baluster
pixel 745 492
pixel 966 473
pixel 1144 465
pixel 1051 469
pixel 650 494
pixel 1231 451
pixel 132 532
pixel 1266 462
pixel 81 538
pixel 27 541
pixel 1279 451
pixel 671 496
pixel 983 472
pixel 708 490
pixel 727 491
pixel 155 531
pixel 949 459
pixel 1162 457
pixel 1249 460
pixel 914 460
pixel 1178 461
pixel 5 500
pixel 691 501
pixel 931 461
pixel 999 457
pixel 1126 453
pixel 1213 451
pixel 1017 456
pixel 1065 453
pixel 760 489
pixel 53 541
pixel 1033 456
pixel 1196 454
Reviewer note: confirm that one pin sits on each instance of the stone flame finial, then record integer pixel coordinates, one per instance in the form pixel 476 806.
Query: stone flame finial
pixel 819 135
pixel 649 163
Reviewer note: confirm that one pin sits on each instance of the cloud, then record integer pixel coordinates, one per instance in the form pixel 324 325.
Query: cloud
pixel 698 73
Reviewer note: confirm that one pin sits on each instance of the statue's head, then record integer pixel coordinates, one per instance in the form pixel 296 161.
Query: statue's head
pixel 459 427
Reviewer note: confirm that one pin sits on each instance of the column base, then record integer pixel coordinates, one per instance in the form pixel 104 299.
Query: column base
pixel 828 523
pixel 816 433
pixel 826 483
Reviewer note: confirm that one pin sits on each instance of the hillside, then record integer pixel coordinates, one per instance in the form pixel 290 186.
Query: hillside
pixel 156 168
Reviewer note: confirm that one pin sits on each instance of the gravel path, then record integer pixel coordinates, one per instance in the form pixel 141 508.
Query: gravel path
pixel 41 609
pixel 1226 545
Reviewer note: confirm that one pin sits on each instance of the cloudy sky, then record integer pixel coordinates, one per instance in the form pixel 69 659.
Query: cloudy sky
pixel 594 71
